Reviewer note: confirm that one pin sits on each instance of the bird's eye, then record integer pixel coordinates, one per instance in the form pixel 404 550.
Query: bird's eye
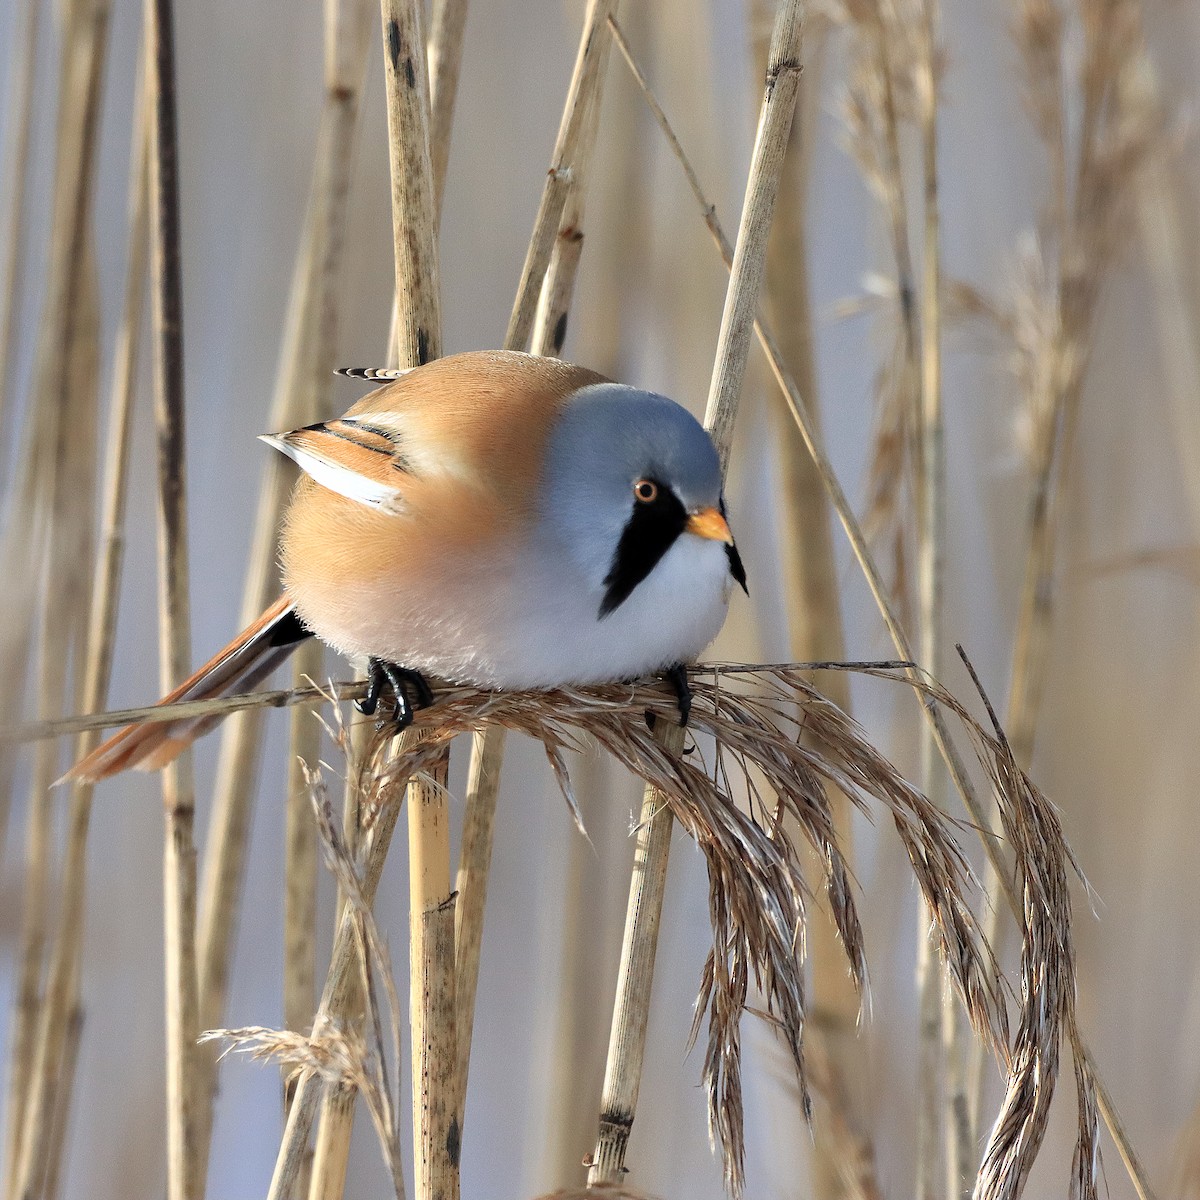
pixel 646 490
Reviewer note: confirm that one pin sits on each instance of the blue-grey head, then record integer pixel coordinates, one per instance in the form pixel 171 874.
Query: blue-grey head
pixel 627 473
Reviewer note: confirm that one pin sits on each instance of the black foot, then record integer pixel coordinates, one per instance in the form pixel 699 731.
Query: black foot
pixel 402 679
pixel 678 679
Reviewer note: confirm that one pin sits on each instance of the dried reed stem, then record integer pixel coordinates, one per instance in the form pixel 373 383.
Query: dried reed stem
pixel 14 164
pixel 300 854
pixel 446 32
pixel 942 1103
pixel 51 1086
pixel 331 1156
pixel 635 978
pixel 331 1147
pixel 49 529
pixel 62 1108
pixel 417 341
pixel 185 1155
pixel 471 883
pixel 300 866
pixel 414 224
pixel 571 132
pixel 842 1154
pixel 301 396
pixel 339 986
pixel 653 844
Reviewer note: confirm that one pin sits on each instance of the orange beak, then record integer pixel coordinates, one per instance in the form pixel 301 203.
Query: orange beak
pixel 708 523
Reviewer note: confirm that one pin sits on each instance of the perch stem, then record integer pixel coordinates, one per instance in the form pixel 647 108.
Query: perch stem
pixel 185 1158
pixel 643 916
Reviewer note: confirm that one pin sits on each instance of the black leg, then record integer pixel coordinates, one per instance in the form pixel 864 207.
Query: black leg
pixel 678 679
pixel 375 677
pixel 406 685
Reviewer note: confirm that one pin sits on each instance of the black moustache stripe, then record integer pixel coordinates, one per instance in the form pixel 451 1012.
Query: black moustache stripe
pixel 736 569
pixel 650 532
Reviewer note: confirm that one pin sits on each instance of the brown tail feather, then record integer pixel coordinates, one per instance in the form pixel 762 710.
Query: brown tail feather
pixel 247 660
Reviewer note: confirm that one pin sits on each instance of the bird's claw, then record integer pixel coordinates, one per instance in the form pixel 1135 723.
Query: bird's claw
pixel 677 677
pixel 401 680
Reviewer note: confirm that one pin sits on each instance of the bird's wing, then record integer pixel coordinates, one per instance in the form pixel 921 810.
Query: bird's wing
pixel 359 457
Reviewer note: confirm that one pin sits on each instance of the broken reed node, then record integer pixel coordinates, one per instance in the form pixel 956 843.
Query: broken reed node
pixel 749 789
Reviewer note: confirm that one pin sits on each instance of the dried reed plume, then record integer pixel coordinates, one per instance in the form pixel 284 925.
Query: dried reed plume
pixel 752 771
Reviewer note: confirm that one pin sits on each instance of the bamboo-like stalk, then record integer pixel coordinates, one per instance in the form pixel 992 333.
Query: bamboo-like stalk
pixel 51 1085
pixel 62 1108
pixel 550 321
pixel 331 1148
pixel 14 163
pixel 635 979
pixel 437 1132
pixel 471 883
pixel 414 224
pixel 418 339
pixel 185 1164
pixel 941 1108
pixel 572 129
pixel 300 867
pixel 331 1155
pixel 447 29
pixel 49 525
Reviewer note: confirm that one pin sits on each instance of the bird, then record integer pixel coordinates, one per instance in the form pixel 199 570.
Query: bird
pixel 490 518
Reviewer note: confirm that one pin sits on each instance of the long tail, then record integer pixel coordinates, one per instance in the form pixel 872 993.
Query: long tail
pixel 247 660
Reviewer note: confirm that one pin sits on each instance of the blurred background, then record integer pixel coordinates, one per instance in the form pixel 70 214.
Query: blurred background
pixel 1116 748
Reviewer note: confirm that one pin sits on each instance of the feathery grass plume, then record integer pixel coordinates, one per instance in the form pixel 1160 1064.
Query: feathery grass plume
pixel 754 718
pixel 1042 862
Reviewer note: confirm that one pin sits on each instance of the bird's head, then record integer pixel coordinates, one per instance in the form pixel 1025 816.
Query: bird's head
pixel 627 474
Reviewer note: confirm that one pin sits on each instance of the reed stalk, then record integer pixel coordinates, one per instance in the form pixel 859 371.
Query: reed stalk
pixel 418 340
pixel 842 1154
pixel 13 204
pixel 48 1106
pixel 447 30
pixel 49 533
pixel 942 1030
pixel 471 884
pixel 571 132
pixel 652 848
pixel 185 1155
pixel 581 116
